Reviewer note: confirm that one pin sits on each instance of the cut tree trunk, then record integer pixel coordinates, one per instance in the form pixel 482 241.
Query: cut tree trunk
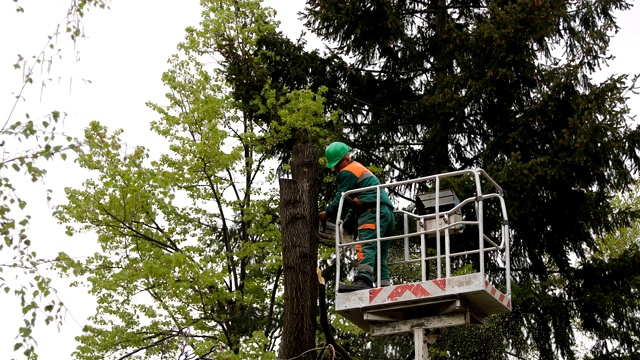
pixel 299 226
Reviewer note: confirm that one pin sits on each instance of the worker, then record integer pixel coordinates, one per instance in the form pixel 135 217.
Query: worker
pixel 353 175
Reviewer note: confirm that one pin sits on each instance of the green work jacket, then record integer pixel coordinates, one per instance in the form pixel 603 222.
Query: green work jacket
pixel 356 176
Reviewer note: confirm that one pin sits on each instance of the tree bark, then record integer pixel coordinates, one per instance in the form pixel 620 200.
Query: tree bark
pixel 299 226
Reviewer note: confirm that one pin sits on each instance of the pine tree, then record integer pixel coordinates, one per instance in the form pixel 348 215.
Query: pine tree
pixel 507 86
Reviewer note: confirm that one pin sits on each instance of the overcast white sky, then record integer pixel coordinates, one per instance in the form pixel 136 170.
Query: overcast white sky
pixel 123 57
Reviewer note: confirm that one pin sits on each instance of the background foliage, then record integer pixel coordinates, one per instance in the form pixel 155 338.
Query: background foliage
pixel 28 142
pixel 190 266
pixel 508 86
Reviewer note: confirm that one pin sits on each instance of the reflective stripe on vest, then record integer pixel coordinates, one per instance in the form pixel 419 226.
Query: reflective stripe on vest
pixel 367 226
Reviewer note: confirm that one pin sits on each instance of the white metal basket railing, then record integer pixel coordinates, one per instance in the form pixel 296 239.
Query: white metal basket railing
pixel 440 223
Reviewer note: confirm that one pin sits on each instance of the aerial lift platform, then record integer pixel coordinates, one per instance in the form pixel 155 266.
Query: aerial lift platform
pixel 448 299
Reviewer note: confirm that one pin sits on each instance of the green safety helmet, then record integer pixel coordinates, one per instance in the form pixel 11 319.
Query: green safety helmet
pixel 335 152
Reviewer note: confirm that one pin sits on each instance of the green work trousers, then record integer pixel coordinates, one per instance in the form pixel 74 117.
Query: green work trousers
pixel 366 252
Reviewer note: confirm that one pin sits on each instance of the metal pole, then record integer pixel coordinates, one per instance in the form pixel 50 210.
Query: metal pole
pixel 480 210
pixel 378 244
pixel 423 250
pixel 421 346
pixel 437 222
pixel 447 253
pixel 406 238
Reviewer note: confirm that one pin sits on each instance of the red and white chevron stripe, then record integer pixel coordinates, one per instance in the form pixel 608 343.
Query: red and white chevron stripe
pixel 408 291
pixel 502 298
pixel 458 285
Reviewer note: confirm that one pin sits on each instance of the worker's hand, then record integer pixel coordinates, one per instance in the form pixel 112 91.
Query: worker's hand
pixel 322 216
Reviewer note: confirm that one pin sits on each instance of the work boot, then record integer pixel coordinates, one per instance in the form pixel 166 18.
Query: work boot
pixel 359 283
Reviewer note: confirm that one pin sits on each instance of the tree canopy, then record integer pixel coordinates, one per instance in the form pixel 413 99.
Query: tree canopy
pixel 29 138
pixel 190 263
pixel 507 86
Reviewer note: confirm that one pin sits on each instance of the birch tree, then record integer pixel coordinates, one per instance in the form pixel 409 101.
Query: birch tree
pixel 29 139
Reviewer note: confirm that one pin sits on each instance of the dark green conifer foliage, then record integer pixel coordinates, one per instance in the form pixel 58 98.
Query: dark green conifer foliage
pixel 433 86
